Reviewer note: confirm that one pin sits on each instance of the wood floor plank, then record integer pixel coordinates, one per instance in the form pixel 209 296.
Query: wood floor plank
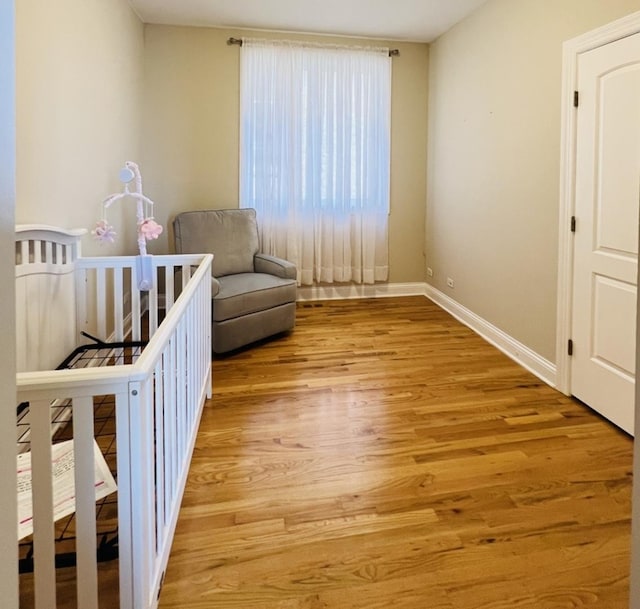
pixel 384 456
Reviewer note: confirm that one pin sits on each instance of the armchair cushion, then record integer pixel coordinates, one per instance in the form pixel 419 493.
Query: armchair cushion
pixel 246 293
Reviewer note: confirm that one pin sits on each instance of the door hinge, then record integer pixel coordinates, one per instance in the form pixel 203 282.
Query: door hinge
pixel 570 347
pixel 576 99
pixel 573 224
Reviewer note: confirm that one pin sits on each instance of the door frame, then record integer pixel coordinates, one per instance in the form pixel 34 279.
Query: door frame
pixel 571 50
pixel 9 586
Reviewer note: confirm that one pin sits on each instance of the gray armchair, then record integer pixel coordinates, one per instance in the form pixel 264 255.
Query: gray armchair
pixel 254 295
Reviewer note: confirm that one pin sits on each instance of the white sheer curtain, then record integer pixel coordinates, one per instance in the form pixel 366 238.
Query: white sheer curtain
pixel 314 156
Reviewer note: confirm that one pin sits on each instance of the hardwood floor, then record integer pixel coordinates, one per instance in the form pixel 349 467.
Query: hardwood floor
pixel 384 456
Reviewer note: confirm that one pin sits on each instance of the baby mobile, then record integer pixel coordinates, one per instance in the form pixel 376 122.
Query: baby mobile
pixel 147 227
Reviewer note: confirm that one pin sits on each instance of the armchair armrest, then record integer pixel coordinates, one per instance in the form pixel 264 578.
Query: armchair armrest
pixel 274 266
pixel 215 286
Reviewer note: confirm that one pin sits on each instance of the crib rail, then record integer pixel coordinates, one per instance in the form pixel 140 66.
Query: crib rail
pixel 110 305
pixel 158 400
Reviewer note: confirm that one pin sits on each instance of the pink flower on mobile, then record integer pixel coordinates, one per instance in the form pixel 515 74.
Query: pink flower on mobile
pixel 104 232
pixel 150 229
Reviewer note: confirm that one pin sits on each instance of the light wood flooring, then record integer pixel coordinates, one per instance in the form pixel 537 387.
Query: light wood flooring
pixel 384 456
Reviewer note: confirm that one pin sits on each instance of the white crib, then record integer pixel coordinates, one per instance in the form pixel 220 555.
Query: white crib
pixel 158 397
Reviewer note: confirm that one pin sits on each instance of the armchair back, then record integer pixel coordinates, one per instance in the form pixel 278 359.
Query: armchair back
pixel 230 234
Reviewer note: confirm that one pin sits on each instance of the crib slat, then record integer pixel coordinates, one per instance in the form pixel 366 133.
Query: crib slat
pixel 188 370
pixel 153 309
pixel 41 482
pixel 204 330
pixel 81 300
pixel 192 365
pixel 180 392
pixel 48 253
pixel 86 545
pixel 37 251
pixel 149 459
pixel 208 335
pixel 170 414
pixel 24 252
pixel 169 292
pixel 136 331
pixel 160 424
pixel 101 301
pixel 123 456
pixel 186 275
pixel 118 300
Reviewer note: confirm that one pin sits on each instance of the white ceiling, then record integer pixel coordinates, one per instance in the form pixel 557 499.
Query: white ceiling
pixel 412 20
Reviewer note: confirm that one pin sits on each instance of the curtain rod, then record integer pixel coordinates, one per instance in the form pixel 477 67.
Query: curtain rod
pixel 238 41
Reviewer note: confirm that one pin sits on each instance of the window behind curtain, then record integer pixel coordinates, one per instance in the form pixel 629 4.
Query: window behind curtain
pixel 315 131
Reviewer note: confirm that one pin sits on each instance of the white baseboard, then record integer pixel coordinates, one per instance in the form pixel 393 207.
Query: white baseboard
pixel 521 354
pixel 353 290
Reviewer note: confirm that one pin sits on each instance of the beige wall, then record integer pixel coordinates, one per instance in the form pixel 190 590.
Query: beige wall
pixel 494 149
pixel 79 90
pixel 191 131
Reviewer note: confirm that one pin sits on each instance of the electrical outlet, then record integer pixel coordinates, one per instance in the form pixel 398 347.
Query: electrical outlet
pixel 429 271
pixel 450 282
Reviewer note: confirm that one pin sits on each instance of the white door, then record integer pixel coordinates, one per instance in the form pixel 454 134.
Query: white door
pixel 606 230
